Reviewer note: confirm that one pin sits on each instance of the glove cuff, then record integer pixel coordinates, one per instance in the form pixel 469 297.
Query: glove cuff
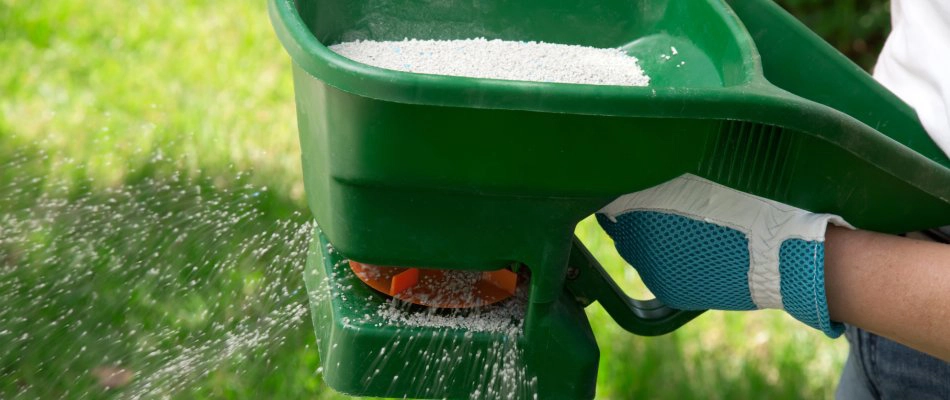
pixel 802 268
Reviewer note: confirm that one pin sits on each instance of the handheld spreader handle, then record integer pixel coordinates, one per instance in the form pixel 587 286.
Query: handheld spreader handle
pixel 588 282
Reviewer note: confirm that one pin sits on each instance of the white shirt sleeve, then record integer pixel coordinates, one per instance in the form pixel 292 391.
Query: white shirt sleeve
pixel 915 63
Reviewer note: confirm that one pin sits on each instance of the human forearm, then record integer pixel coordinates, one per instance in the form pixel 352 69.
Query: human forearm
pixel 893 286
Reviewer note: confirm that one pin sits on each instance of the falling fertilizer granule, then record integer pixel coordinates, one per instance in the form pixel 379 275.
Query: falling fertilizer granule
pixel 501 59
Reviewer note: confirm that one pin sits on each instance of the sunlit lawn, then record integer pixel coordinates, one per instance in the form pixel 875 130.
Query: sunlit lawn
pixel 152 97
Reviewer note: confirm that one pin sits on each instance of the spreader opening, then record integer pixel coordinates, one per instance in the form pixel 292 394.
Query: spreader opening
pixel 440 288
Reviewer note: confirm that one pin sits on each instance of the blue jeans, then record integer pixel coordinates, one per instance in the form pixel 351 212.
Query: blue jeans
pixel 878 368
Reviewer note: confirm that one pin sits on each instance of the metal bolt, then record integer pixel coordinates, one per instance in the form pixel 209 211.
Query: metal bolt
pixel 573 273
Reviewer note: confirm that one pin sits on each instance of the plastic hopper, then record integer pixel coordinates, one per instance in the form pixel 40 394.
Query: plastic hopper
pixel 478 174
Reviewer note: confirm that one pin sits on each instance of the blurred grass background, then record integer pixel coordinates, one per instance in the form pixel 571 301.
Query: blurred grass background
pixel 857 28
pixel 91 91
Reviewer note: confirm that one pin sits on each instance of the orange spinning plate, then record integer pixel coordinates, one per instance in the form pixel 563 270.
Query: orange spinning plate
pixel 439 288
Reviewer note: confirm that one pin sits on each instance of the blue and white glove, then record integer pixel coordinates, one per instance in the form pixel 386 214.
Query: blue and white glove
pixel 700 245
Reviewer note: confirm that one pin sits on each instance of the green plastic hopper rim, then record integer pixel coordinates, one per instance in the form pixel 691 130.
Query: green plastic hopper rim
pixel 414 88
pixel 753 99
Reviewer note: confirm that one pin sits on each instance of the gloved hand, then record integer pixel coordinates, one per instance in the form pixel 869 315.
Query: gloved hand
pixel 700 245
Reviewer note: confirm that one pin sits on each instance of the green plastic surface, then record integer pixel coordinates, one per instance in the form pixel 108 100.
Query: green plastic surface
pixel 362 352
pixel 451 172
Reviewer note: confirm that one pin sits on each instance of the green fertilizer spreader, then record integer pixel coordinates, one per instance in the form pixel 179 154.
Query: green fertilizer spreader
pixel 478 174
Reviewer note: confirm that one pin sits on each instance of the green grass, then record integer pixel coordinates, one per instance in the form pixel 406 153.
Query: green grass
pixel 856 28
pixel 167 114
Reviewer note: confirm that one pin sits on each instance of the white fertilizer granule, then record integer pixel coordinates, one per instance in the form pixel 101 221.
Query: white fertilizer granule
pixel 504 317
pixel 501 59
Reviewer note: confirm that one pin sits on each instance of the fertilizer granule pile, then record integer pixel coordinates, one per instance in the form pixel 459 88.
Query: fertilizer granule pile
pixel 505 317
pixel 500 59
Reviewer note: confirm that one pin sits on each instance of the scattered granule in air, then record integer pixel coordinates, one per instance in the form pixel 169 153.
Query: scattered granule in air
pixel 500 59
